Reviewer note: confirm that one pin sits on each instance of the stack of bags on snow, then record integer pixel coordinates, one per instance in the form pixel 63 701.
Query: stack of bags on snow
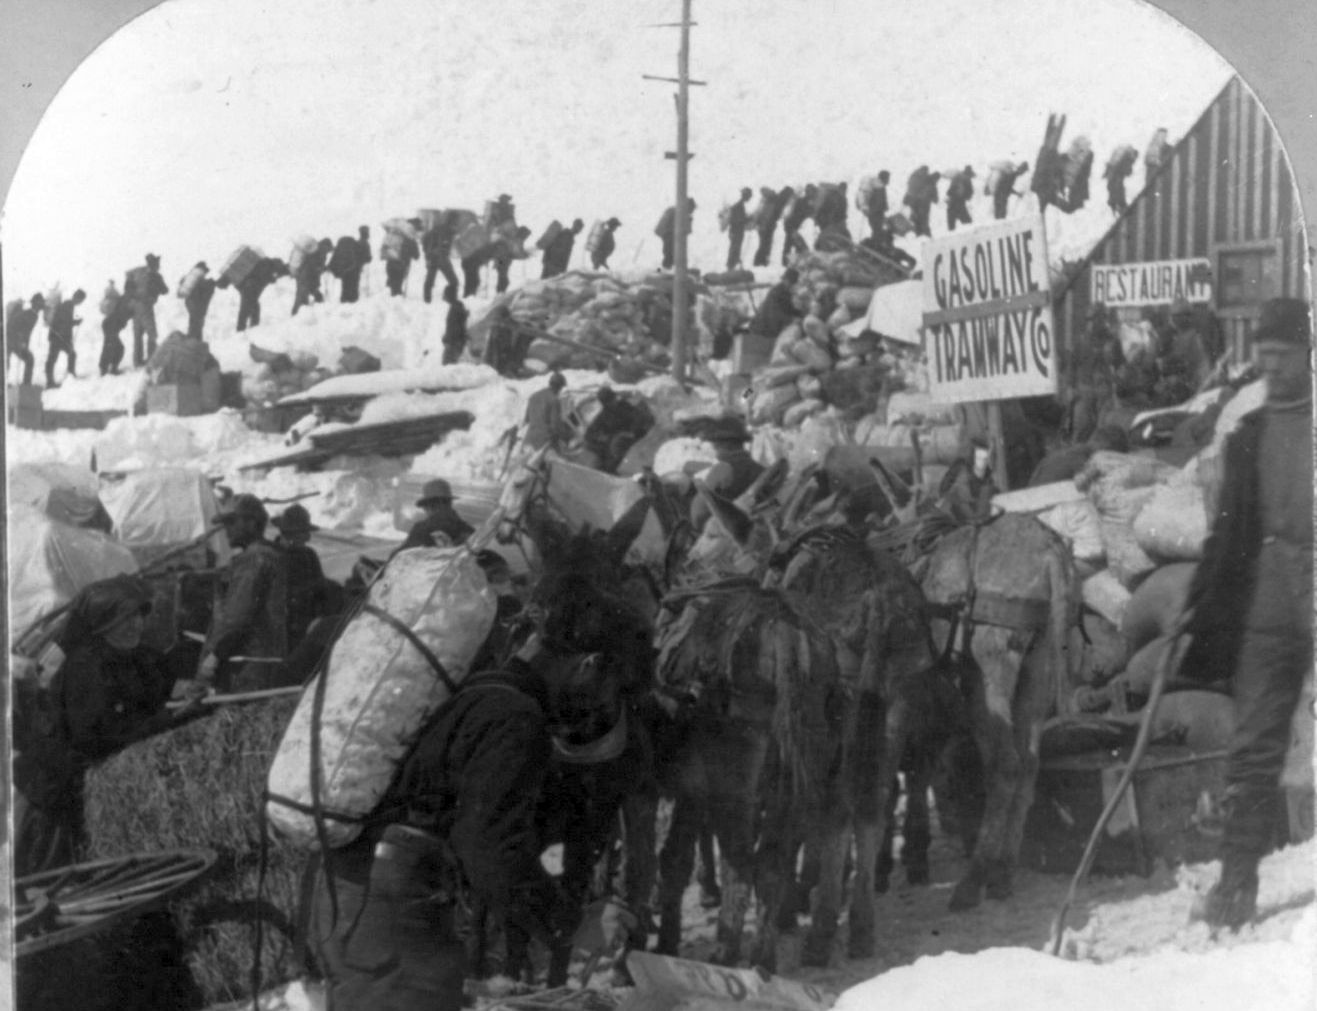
pixel 815 364
pixel 281 375
pixel 1136 527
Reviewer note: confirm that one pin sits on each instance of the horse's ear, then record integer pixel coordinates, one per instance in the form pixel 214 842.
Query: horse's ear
pixel 733 520
pixel 619 539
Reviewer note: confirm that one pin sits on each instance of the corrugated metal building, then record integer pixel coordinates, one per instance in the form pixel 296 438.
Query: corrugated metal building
pixel 1226 194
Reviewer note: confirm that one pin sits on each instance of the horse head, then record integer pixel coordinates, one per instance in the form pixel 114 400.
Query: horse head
pixel 527 482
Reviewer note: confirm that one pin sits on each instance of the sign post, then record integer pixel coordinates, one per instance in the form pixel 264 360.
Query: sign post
pixel 988 330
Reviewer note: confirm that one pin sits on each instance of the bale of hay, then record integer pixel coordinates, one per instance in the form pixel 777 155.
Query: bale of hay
pixel 200 785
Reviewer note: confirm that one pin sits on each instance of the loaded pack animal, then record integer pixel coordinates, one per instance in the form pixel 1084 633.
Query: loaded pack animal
pixel 1002 597
pixel 793 671
pixel 589 598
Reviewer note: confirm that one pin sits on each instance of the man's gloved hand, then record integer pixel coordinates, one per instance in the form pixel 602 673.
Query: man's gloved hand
pixel 606 925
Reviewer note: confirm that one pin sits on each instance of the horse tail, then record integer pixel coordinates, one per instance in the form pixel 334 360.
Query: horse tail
pixel 798 654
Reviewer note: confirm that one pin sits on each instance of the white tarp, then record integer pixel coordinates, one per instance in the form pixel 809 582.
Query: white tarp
pixel 895 311
pixel 372 384
pixel 63 491
pixel 160 507
pixel 988 332
pixel 50 562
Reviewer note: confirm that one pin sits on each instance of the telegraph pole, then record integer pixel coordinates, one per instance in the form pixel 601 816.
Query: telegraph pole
pixel 680 314
pixel 680 321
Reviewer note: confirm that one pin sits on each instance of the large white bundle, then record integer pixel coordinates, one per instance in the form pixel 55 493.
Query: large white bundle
pixel 1104 594
pixel 914 407
pixel 1173 523
pixel 1038 498
pixel 379 690
pixel 1125 558
pixel 1078 522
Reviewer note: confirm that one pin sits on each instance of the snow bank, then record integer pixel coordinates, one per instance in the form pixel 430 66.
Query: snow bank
pixel 432 376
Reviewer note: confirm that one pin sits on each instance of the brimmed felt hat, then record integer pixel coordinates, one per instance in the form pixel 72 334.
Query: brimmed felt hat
pixel 614 223
pixel 295 520
pixel 1284 321
pixel 245 504
pixel 433 492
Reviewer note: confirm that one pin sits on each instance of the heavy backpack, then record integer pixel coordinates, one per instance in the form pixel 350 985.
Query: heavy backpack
pixel 394 245
pixel 596 234
pixel 550 235
pixel 725 218
pixel 189 281
pixel 11 309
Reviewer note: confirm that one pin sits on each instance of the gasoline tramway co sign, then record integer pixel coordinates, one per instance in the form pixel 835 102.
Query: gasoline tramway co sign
pixel 988 331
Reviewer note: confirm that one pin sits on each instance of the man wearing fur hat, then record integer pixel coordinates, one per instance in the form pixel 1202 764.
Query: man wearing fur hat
pixel 1250 606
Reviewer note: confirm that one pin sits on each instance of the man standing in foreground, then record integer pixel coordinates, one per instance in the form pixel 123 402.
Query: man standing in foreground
pixel 545 425
pixel 1250 605
pixel 248 636
pixel 440 518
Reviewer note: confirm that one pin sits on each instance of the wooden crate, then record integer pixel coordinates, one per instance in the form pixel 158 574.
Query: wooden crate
pixel 51 420
pixel 1154 821
pixel 750 352
pixel 180 399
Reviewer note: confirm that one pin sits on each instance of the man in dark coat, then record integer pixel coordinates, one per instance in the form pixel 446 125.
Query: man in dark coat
pixel 251 288
pixel 968 486
pixel 457 823
pixel 778 309
pixel 666 230
pixel 545 425
pixel 62 325
pixel 959 192
pixel 765 219
pixel 112 346
pixel 735 471
pixel 737 220
pixel 615 429
pixel 345 263
pixel 1249 610
pixel 18 335
pixel 440 518
pixel 874 203
pixel 605 245
pixel 398 251
pixel 180 358
pixel 109 692
pixel 307 589
pixel 437 246
pixel 308 275
pixel 499 253
pixel 558 253
pixel 921 195
pixel 833 207
pixel 198 304
pixel 798 211
pixel 351 281
pixel 1004 188
pixel 506 345
pixel 251 620
pixel 455 335
pixel 142 287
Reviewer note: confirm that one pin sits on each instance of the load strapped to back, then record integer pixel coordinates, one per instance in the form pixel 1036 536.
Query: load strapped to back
pixel 189 281
pixel 109 301
pixel 550 235
pixel 997 171
pixel 344 258
pixel 397 233
pixel 241 262
pixel 303 246
pixel 398 659
pixel 596 235
pixel 1121 163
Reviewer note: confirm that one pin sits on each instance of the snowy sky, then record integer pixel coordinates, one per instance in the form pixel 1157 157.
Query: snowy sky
pixel 206 123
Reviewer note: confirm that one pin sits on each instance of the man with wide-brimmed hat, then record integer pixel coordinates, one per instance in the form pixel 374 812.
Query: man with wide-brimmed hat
pixel 735 470
pixel 307 588
pixel 248 636
pixel 1250 605
pixel 441 526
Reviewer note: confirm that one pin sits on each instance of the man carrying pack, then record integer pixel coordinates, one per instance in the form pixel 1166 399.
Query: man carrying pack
pixel 738 218
pixel 558 253
pixel 604 244
pixel 142 287
pixel 62 325
pixel 18 334
pixel 545 425
pixel 734 472
pixel 437 246
pixel 458 820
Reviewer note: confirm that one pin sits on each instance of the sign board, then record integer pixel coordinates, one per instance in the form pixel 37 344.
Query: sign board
pixel 988 332
pixel 1156 282
pixel 666 984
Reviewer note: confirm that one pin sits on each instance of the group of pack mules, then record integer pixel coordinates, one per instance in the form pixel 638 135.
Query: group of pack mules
pixel 771 676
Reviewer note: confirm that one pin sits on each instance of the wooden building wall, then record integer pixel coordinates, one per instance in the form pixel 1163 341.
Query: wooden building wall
pixel 1226 189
